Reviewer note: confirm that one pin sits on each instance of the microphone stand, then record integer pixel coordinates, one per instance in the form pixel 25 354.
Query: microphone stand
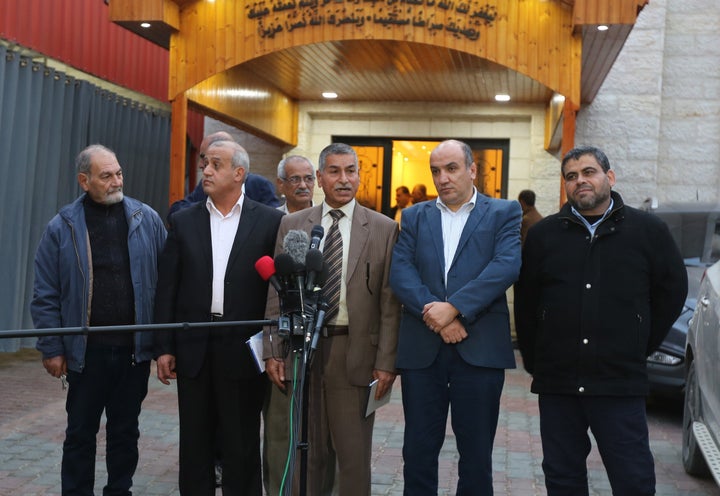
pixel 311 336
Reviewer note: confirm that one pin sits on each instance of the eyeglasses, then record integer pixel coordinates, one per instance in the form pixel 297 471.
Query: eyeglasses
pixel 295 180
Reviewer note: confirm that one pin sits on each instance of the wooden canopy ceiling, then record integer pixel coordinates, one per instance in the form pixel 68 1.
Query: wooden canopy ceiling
pixel 390 70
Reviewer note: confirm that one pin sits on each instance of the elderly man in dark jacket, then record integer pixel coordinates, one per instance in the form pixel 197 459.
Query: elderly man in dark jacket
pixel 600 286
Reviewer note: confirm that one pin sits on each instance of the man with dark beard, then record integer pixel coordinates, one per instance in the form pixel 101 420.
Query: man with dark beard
pixel 600 286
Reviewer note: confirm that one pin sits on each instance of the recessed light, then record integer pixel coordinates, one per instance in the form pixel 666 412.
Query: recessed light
pixel 329 94
pixel 144 24
pixel 602 27
pixel 502 98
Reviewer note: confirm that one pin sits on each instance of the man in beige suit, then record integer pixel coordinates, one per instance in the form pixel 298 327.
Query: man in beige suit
pixel 359 340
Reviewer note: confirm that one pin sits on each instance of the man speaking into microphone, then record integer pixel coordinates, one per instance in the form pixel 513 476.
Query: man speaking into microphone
pixel 359 338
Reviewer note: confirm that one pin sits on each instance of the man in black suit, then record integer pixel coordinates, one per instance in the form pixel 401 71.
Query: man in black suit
pixel 206 273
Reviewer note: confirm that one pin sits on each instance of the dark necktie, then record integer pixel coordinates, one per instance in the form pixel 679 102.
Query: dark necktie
pixel 332 254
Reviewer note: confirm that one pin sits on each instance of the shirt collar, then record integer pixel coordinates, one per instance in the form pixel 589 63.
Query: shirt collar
pixel 236 208
pixel 347 209
pixel 469 205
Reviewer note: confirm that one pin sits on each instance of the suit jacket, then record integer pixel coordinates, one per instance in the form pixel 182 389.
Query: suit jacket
pixel 373 310
pixel 486 263
pixel 184 289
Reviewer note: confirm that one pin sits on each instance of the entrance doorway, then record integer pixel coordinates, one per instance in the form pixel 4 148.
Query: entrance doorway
pixel 388 163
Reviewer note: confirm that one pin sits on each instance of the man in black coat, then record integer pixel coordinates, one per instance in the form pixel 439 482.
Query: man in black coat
pixel 600 286
pixel 206 273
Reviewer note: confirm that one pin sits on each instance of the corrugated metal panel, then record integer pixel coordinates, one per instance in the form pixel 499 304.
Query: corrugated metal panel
pixel 80 34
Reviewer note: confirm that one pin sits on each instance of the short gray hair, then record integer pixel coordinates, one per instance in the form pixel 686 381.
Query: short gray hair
pixel 336 149
pixel 240 157
pixel 283 162
pixel 83 162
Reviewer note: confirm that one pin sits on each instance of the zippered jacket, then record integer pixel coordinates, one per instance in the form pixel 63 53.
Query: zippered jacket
pixel 590 309
pixel 63 278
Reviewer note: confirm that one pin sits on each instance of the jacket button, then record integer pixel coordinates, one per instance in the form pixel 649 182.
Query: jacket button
pixel 581 389
pixel 588 286
pixel 585 341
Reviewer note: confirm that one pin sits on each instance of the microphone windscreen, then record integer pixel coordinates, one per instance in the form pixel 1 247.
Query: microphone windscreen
pixel 265 266
pixel 284 264
pixel 296 245
pixel 314 260
pixel 322 275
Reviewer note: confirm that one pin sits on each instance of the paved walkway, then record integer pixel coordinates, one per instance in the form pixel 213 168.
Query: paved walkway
pixel 32 421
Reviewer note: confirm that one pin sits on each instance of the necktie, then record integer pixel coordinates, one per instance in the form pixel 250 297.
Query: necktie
pixel 332 254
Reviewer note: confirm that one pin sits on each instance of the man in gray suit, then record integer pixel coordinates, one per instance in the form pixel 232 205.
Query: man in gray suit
pixel 358 342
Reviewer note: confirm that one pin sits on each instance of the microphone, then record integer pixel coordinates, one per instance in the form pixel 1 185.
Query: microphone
pixel 265 266
pixel 314 263
pixel 284 265
pixel 296 244
pixel 316 235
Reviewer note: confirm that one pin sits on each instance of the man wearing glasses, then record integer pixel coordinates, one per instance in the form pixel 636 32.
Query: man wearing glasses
pixel 295 181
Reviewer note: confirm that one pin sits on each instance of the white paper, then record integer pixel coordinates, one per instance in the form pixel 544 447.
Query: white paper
pixel 255 343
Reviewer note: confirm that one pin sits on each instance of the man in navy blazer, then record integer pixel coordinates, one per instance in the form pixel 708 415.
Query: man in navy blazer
pixel 454 260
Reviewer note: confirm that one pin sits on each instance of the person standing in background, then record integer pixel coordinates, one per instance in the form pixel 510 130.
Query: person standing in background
pixel 96 265
pixel 530 214
pixel 600 286
pixel 296 182
pixel 402 200
pixel 419 194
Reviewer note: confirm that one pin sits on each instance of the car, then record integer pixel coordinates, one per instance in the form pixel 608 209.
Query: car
pixel 695 227
pixel 701 410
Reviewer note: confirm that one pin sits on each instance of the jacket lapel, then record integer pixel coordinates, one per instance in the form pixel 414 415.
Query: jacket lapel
pixel 477 214
pixel 248 218
pixel 359 235
pixel 431 218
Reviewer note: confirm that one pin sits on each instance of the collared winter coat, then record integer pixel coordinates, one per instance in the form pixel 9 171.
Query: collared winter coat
pixel 63 279
pixel 589 311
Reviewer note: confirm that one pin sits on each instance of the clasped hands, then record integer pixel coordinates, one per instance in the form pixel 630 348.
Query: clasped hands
pixel 441 318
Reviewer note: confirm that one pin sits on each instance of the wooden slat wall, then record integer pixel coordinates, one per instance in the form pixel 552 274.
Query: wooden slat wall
pixel 607 11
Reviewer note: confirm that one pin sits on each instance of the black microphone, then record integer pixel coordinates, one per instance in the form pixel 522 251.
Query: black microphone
pixel 314 264
pixel 316 235
pixel 284 265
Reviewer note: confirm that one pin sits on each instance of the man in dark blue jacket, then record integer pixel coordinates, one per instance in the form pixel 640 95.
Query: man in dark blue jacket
pixel 600 286
pixel 97 266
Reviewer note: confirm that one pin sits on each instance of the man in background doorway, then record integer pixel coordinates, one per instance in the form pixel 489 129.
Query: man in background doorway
pixel 419 194
pixel 530 214
pixel 402 200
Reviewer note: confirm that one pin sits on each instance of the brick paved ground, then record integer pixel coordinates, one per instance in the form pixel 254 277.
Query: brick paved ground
pixel 32 420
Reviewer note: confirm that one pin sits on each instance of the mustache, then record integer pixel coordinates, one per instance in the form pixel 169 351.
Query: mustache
pixel 301 191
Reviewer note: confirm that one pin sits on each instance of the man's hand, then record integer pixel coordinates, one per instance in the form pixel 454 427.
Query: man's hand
pixel 453 332
pixel 385 382
pixel 55 366
pixel 166 368
pixel 438 314
pixel 275 369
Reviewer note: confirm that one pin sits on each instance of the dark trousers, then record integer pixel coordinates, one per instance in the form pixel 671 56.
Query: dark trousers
pixel 473 394
pixel 619 425
pixel 112 384
pixel 220 413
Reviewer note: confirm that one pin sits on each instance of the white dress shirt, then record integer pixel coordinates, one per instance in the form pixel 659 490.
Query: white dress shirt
pixel 222 235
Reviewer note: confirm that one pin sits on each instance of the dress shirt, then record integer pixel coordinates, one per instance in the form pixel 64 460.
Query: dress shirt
pixel 222 235
pixel 453 224
pixel 344 225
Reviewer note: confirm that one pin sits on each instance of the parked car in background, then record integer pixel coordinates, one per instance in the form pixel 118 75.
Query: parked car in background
pixel 695 227
pixel 701 413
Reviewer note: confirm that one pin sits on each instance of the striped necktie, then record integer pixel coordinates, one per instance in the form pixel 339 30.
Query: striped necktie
pixel 332 254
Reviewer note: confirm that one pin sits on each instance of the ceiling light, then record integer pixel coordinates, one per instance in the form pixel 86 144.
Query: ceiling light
pixel 144 24
pixel 602 27
pixel 502 98
pixel 329 94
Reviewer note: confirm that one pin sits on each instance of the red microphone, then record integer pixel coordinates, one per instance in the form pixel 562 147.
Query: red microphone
pixel 265 266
